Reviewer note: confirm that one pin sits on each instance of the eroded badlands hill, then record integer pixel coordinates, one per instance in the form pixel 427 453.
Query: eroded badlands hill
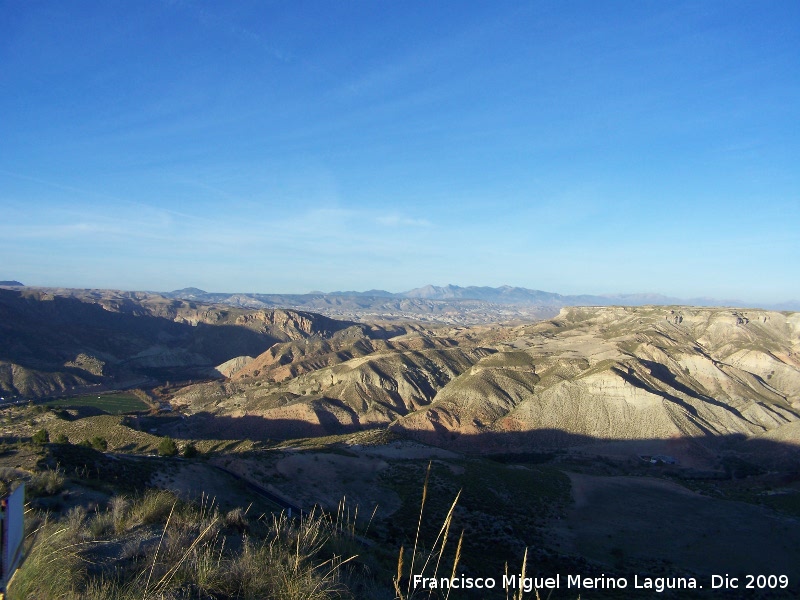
pixel 625 374
pixel 52 342
pixel 616 373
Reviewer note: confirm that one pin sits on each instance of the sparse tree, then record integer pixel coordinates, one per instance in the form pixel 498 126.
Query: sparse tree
pixel 190 450
pixel 41 437
pixel 167 447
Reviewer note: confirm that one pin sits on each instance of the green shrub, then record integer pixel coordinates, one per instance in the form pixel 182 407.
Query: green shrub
pixel 41 437
pixel 99 443
pixel 167 447
pixel 61 439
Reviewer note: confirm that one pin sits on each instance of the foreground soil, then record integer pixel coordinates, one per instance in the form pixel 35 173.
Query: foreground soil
pixel 618 520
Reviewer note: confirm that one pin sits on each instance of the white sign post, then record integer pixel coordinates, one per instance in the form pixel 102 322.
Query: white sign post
pixel 13 532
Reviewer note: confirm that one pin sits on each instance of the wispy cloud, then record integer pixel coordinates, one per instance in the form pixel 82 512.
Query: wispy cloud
pixel 394 220
pixel 112 203
pixel 132 228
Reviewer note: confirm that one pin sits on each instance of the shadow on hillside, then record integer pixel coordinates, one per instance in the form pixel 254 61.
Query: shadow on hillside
pixel 76 413
pixel 688 452
pixel 205 426
pixel 44 334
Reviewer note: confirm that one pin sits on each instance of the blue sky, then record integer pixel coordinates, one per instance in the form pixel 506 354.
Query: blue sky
pixel 578 147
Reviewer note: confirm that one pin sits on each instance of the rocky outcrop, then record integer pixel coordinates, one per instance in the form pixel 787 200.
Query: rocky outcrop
pixel 86 362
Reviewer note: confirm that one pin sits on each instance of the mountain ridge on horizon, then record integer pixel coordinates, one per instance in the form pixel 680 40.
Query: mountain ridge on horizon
pixel 507 294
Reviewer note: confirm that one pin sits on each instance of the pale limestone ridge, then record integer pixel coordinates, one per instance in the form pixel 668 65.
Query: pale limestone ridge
pixel 230 367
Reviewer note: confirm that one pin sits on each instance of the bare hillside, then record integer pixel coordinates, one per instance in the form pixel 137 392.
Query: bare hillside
pixel 627 373
pixel 60 341
pixel 604 374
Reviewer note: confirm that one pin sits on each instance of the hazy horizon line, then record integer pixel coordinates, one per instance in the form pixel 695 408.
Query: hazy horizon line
pixel 679 299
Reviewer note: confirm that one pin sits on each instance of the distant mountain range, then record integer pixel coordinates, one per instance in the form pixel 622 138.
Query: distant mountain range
pixel 503 295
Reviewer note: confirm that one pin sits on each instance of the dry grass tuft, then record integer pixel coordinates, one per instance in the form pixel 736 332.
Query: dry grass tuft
pixel 151 508
pixel 45 483
pixel 53 564
pixel 282 558
pixel 236 519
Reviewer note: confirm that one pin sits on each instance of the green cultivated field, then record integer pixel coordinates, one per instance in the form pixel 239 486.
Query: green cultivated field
pixel 113 404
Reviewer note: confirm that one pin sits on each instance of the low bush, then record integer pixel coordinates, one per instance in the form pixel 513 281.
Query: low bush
pixel 236 519
pixel 118 509
pixel 101 524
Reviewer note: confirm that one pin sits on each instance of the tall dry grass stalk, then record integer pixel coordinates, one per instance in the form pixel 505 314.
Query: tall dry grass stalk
pixel 399 577
pixel 419 522
pixel 455 561
pixel 437 552
pixel 158 548
pixel 518 595
pixel 440 542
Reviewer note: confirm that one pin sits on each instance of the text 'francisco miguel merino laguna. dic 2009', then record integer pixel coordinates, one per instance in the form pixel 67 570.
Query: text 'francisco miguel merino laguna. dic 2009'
pixel 580 582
